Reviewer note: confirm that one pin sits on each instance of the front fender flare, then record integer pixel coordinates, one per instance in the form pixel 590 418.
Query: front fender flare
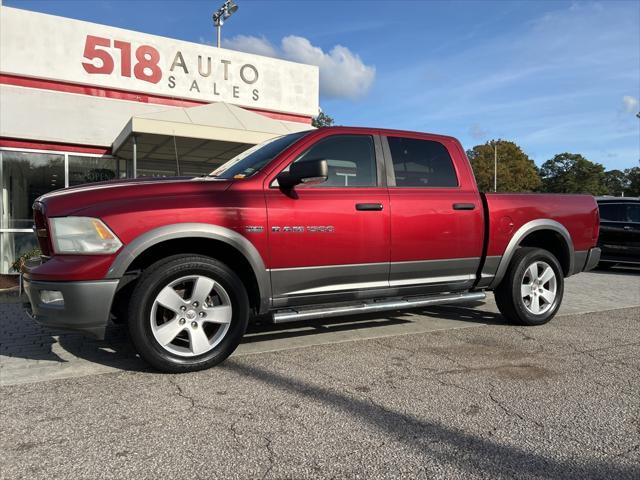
pixel 200 230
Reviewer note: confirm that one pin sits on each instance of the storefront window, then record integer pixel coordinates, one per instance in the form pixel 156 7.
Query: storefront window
pixel 91 169
pixel 26 176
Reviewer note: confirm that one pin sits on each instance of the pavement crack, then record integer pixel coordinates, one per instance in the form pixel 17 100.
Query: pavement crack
pixel 541 426
pixel 434 372
pixel 193 403
pixel 236 436
pixel 269 448
pixel 508 411
pixel 180 392
pixel 452 384
pixel 411 353
pixel 523 333
pixel 611 347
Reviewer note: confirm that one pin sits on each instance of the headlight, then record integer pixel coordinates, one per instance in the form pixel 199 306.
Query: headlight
pixel 82 235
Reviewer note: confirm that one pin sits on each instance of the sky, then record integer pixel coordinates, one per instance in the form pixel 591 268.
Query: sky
pixel 552 76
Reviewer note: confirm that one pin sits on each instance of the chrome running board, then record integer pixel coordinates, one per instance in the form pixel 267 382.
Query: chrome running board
pixel 295 315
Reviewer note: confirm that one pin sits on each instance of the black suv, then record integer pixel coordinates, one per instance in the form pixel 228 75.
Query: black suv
pixel 619 231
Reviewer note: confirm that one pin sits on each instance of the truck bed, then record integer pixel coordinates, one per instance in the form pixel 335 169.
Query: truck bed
pixel 507 214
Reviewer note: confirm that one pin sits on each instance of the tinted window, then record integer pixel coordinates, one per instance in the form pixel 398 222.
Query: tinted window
pixel 633 212
pixel 421 163
pixel 351 160
pixel 613 212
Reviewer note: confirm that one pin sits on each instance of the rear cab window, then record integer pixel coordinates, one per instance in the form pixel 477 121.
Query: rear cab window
pixel 421 163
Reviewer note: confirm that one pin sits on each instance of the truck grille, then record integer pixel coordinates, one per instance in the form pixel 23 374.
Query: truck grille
pixel 41 228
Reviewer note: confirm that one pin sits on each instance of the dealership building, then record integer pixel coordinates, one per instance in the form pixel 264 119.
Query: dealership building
pixel 82 102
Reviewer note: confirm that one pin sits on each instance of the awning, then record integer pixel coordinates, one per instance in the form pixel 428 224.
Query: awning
pixel 201 138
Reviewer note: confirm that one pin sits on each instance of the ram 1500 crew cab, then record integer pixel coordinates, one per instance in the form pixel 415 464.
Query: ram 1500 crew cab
pixel 315 224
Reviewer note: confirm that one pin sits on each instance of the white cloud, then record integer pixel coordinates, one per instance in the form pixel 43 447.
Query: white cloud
pixel 343 74
pixel 250 44
pixel 630 104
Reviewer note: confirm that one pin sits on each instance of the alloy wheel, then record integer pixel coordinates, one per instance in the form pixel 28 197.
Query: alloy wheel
pixel 191 315
pixel 539 287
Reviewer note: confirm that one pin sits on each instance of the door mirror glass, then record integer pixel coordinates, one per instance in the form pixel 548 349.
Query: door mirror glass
pixel 309 172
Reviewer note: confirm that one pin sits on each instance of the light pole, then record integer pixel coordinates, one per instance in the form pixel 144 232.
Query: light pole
pixel 495 166
pixel 224 12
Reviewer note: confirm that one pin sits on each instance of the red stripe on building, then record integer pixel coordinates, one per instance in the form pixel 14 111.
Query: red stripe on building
pixel 67 87
pixel 62 147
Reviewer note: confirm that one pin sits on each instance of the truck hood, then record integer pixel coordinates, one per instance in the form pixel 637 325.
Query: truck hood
pixel 95 196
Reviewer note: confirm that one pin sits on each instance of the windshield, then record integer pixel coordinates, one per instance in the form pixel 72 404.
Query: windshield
pixel 252 160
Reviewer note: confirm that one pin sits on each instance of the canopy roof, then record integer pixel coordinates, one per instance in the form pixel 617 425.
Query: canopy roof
pixel 209 134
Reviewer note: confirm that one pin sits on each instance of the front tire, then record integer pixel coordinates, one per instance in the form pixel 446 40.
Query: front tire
pixel 187 313
pixel 531 291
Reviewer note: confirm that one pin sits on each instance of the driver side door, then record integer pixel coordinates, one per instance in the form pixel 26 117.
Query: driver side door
pixel 329 241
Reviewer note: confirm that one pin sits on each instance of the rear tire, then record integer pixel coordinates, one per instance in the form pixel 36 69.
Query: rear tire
pixel 187 313
pixel 531 291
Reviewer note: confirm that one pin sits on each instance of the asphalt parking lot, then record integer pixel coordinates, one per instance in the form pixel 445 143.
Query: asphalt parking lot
pixel 447 393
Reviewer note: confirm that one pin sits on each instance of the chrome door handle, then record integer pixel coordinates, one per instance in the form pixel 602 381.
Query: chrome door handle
pixel 373 207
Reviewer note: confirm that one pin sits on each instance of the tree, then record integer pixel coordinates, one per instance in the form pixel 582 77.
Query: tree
pixel 572 173
pixel 516 171
pixel 616 182
pixel 322 120
pixel 633 177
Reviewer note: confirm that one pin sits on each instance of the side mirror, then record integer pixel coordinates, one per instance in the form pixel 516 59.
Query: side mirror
pixel 308 172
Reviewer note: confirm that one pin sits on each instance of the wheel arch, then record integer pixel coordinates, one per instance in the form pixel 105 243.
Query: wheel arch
pixel 542 233
pixel 204 239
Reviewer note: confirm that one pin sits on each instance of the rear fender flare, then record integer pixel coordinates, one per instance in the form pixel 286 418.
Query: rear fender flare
pixel 521 233
pixel 200 230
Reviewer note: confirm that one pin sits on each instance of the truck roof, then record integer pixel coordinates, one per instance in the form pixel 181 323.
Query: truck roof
pixel 606 199
pixel 387 131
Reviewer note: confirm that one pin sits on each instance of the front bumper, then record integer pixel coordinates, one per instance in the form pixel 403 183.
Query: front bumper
pixel 593 257
pixel 85 306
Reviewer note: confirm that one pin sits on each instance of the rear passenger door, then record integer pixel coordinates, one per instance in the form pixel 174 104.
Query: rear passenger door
pixel 436 214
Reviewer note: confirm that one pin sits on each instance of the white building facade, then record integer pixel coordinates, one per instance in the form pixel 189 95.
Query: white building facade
pixel 82 102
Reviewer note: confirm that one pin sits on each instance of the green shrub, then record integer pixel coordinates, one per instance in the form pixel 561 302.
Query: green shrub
pixel 17 265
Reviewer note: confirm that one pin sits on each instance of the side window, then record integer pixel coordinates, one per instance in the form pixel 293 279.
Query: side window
pixel 633 212
pixel 613 212
pixel 421 163
pixel 351 160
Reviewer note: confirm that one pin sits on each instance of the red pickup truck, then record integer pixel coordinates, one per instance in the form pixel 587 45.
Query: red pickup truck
pixel 310 225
